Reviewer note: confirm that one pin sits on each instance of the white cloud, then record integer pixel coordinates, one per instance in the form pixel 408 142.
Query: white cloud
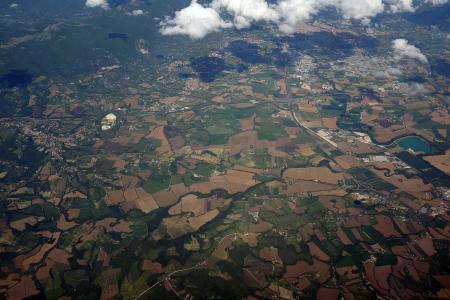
pixel 360 9
pixel 402 49
pixel 294 12
pixel 437 2
pixel 136 12
pixel 414 88
pixel 97 3
pixel 389 72
pixel 195 20
pixel 14 5
pixel 245 12
pixel 401 6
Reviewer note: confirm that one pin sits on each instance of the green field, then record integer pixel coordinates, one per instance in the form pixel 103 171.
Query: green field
pixel 271 132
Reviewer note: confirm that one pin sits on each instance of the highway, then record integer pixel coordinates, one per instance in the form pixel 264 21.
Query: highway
pixel 294 116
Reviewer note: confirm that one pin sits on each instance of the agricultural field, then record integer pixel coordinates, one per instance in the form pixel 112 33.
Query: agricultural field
pixel 144 160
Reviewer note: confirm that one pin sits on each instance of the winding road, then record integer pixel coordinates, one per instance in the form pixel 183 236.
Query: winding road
pixel 198 265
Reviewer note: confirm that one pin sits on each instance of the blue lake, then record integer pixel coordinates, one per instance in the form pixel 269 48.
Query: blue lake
pixel 415 143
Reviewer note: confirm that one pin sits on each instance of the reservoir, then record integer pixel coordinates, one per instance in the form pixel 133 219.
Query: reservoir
pixel 415 143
